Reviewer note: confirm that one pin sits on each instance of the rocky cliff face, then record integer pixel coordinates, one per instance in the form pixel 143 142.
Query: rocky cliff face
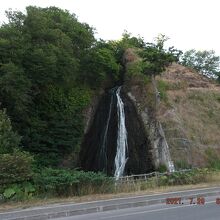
pixel 139 146
pixel 91 158
pixel 146 99
pixel 147 146
pixel 145 102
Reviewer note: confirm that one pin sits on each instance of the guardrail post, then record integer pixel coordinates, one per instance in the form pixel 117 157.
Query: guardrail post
pixel 157 180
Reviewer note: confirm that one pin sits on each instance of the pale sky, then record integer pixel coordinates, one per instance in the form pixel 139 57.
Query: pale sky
pixel 188 23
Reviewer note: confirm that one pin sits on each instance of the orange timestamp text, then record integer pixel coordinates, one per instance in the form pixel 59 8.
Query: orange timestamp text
pixel 191 201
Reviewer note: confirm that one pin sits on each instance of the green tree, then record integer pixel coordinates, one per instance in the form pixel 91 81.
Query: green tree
pixel 206 62
pixel 9 140
pixel 129 41
pixel 14 89
pixel 156 58
pixel 41 62
pixel 100 65
pixel 15 167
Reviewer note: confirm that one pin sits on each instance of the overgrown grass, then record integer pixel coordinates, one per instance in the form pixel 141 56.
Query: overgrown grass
pixel 191 124
pixel 195 176
pixel 182 164
pixel 52 183
pixel 213 159
pixel 58 183
pixel 162 88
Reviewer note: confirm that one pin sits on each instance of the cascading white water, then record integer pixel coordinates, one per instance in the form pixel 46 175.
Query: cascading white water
pixel 122 145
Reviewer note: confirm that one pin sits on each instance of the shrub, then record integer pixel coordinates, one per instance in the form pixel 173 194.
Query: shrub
pixel 182 164
pixel 162 168
pixel 135 68
pixel 213 159
pixel 17 192
pixel 180 178
pixel 163 87
pixel 62 182
pixel 8 138
pixel 15 167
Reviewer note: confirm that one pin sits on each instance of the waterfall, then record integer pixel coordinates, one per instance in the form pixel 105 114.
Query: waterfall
pixel 122 145
pixel 116 142
pixel 121 151
pixel 103 154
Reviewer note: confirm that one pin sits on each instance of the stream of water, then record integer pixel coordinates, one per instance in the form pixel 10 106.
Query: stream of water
pixel 122 145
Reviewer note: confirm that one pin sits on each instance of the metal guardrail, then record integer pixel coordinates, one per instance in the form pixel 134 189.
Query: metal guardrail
pixel 145 177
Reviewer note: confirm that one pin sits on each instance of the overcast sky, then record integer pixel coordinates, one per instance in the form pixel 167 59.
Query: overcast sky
pixel 188 23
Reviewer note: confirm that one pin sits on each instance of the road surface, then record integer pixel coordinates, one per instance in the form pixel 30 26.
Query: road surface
pixel 140 207
pixel 209 211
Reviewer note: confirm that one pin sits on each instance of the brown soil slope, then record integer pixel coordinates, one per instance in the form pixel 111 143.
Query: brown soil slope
pixel 190 114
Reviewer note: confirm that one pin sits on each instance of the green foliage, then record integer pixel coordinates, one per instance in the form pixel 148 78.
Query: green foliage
pixel 206 62
pixel 162 168
pixel 15 167
pixel 18 192
pixel 64 121
pixel 42 61
pixel 50 66
pixel 57 182
pixel 128 41
pixel 156 58
pixel 181 178
pixel 71 182
pixel 120 46
pixel 182 164
pixel 162 88
pixel 212 158
pixel 14 88
pixel 99 65
pixel 135 68
pixel 9 192
pixel 8 138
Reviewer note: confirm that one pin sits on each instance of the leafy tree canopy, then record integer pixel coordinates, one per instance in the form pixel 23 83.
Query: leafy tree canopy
pixel 206 62
pixel 156 57
pixel 47 58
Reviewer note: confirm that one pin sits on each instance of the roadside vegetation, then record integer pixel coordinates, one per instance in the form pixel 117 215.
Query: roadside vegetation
pixel 60 183
pixel 51 66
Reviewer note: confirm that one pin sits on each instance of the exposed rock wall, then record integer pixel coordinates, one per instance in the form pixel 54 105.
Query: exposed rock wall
pixel 90 158
pixel 141 95
pixel 146 99
pixel 139 150
pixel 139 146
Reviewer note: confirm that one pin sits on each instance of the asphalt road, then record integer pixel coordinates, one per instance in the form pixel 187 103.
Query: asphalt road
pixel 209 211
pixel 140 207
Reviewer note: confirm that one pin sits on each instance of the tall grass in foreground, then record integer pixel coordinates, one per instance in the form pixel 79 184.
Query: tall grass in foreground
pixel 51 183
